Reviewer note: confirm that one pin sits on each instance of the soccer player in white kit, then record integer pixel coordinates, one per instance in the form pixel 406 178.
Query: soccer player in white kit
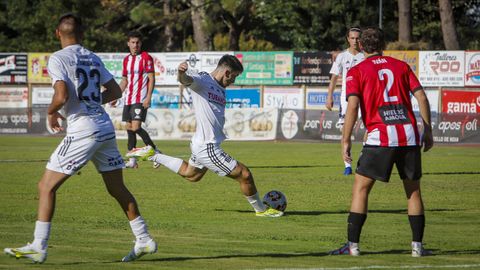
pixel 76 76
pixel 343 62
pixel 208 96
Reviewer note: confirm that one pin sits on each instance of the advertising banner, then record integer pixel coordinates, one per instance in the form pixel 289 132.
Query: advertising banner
pixel 312 68
pixel 457 128
pixel 441 68
pixel 265 68
pixel 317 98
pixel 166 97
pixel 37 68
pixel 13 68
pixel 283 98
pixel 458 101
pixel 25 121
pixel 166 65
pixel 14 97
pixel 42 96
pixel 165 124
pixel 113 63
pixel 410 57
pixel 243 98
pixel 472 68
pixel 313 125
pixel 209 60
pixel 432 96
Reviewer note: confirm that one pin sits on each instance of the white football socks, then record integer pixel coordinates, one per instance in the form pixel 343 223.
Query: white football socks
pixel 140 230
pixel 347 164
pixel 256 203
pixel 172 163
pixel 41 235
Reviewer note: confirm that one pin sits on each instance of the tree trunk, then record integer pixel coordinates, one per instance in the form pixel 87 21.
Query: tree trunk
pixel 233 38
pixel 169 43
pixel 405 20
pixel 450 38
pixel 201 36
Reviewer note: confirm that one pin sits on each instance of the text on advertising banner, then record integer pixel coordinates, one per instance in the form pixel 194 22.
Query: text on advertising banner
pixel 265 68
pixel 13 68
pixel 13 97
pixel 317 98
pixel 472 68
pixel 410 57
pixel 283 98
pixel 113 63
pixel 455 101
pixel 441 68
pixel 312 68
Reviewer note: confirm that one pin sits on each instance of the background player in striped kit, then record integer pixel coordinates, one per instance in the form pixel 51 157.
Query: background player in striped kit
pixel 381 86
pixel 138 81
pixel 343 62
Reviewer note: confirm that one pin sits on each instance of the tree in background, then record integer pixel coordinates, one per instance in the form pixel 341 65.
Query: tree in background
pixel 448 25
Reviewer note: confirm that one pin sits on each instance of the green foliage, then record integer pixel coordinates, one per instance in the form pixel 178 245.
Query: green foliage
pixel 28 25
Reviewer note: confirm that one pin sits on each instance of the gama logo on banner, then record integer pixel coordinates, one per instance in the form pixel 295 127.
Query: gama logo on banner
pixel 457 101
pixel 441 68
pixel 37 68
pixel 472 68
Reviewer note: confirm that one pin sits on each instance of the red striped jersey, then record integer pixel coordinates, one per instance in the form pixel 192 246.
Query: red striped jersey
pixel 136 69
pixel 384 85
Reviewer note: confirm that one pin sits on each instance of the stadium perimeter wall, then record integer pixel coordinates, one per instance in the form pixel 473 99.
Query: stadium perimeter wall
pixel 280 95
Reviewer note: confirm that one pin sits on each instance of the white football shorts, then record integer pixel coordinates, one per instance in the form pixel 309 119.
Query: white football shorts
pixel 212 157
pixel 343 108
pixel 78 148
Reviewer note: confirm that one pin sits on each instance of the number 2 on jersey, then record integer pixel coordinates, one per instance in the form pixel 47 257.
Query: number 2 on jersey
pixel 390 79
pixel 85 78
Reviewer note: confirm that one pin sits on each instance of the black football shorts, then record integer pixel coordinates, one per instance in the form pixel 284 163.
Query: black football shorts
pixel 134 112
pixel 377 162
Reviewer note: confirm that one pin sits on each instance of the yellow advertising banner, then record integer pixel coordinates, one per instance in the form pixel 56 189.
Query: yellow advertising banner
pixel 411 57
pixel 37 68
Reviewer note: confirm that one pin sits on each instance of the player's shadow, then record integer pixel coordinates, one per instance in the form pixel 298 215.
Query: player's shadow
pixel 318 213
pixel 289 166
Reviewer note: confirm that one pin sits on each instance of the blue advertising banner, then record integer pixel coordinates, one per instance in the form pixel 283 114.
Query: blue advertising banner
pixel 167 98
pixel 316 99
pixel 243 98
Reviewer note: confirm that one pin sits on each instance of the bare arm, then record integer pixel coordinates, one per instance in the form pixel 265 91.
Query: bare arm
pixel 59 98
pixel 150 86
pixel 183 78
pixel 112 92
pixel 331 89
pixel 350 119
pixel 123 84
pixel 424 105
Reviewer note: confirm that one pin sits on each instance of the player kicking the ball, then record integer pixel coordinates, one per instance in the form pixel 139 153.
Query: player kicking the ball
pixel 76 76
pixel 208 95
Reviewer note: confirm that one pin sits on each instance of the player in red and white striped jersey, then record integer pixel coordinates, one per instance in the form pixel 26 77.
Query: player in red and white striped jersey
pixel 137 82
pixel 381 86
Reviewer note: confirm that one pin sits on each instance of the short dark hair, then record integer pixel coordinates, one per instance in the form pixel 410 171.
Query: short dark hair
pixel 231 61
pixel 372 40
pixel 134 34
pixel 73 19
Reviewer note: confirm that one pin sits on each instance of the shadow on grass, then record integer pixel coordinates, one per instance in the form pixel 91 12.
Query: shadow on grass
pixel 436 252
pixel 318 213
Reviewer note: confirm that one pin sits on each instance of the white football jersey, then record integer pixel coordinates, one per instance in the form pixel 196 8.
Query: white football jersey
pixel 208 99
pixel 84 73
pixel 344 61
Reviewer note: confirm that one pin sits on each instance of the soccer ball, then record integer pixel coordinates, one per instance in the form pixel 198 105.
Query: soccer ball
pixel 276 200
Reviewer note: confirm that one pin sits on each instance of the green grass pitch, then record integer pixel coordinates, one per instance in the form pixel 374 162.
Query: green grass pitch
pixel 209 225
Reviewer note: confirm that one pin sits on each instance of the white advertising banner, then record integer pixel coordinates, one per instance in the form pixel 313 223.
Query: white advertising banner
pixel 432 96
pixel 441 68
pixel 42 96
pixel 166 124
pixel 14 97
pixel 472 68
pixel 283 98
pixel 166 64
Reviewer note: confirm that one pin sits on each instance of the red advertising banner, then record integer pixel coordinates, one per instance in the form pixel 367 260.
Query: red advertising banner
pixel 457 101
